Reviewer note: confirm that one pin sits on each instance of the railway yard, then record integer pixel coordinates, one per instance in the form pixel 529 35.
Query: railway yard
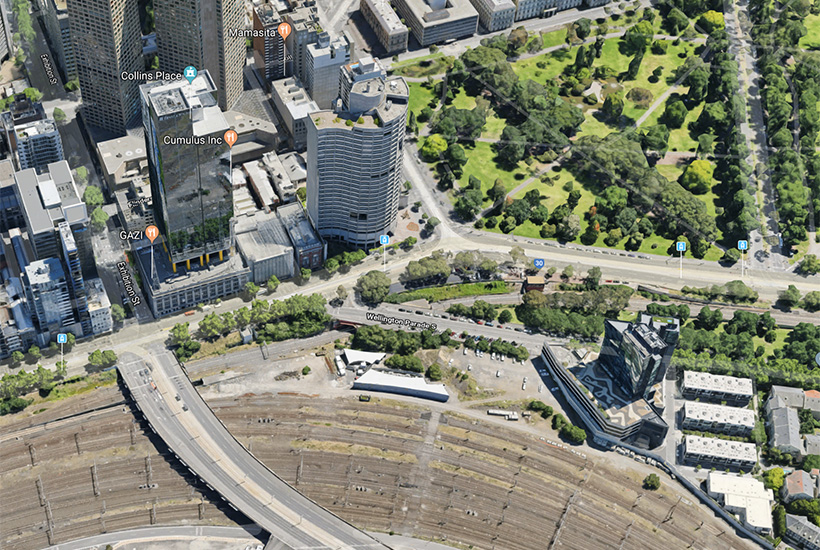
pixel 386 465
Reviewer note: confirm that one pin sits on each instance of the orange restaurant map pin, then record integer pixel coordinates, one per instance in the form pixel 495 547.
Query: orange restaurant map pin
pixel 284 30
pixel 231 137
pixel 152 232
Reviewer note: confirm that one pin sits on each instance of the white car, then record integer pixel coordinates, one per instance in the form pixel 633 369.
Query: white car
pixel 525 379
pixel 469 367
pixel 524 386
pixel 465 351
pixel 498 374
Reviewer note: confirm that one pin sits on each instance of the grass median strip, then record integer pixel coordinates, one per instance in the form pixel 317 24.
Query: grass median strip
pixel 449 292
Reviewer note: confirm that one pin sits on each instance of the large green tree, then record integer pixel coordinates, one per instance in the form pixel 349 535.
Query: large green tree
pixel 373 287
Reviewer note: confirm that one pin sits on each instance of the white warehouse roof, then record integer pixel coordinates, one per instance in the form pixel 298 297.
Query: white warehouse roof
pixel 415 386
pixel 744 494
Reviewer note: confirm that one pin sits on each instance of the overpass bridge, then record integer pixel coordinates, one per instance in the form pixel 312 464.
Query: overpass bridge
pixel 176 412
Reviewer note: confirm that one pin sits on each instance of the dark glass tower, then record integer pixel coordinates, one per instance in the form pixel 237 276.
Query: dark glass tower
pixel 189 164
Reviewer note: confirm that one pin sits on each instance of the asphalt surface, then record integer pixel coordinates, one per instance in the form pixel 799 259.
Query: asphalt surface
pixel 184 421
pixel 147 534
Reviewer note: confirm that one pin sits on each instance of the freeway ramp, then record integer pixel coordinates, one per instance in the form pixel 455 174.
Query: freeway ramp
pixel 177 413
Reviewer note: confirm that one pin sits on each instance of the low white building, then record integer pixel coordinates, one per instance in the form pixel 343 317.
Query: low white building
pixel 99 307
pixel 717 387
pixel 415 386
pixel 707 450
pixel 717 418
pixel 745 497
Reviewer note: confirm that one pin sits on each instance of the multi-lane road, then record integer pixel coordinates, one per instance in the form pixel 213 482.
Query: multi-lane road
pixel 184 421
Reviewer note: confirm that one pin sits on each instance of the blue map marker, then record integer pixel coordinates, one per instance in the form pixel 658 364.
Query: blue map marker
pixel 190 73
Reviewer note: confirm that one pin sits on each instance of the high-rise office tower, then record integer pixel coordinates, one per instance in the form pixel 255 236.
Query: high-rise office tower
pixel 269 48
pixel 324 60
pixel 189 165
pixel 55 18
pixel 203 33
pixel 74 276
pixel 45 200
pixel 105 35
pixel 6 45
pixel 47 290
pixel 304 30
pixel 354 174
pixel 638 354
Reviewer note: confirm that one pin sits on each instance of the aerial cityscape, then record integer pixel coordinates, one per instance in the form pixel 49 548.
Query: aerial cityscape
pixel 409 274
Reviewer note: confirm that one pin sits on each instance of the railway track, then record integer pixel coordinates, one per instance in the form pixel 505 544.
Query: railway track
pixel 487 487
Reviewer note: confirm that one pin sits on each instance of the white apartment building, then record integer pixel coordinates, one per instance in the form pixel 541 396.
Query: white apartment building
pixel 717 418
pixel 324 60
pixel 355 160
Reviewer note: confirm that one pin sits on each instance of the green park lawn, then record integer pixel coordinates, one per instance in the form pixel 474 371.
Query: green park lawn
pixel 555 38
pixel 481 164
pixel 551 65
pixel 494 125
pixel 811 41
pixel 680 139
pixel 669 61
pixel 428 65
pixel 555 195
pixel 419 98
pixel 669 171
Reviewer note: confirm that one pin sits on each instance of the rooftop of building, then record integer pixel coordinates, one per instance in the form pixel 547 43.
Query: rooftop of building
pixel 171 97
pixel 329 45
pixel 719 413
pixel 799 482
pixel 35 128
pixel 732 450
pixel 785 428
pixel 116 152
pixel 295 166
pixel 394 94
pixel 804 528
pixel 97 297
pixel 436 12
pixel 295 220
pixel 499 5
pixel 304 18
pixel 746 493
pixel 387 380
pixel 6 173
pixel 168 281
pixel 717 383
pixel 22 110
pixel 268 14
pixel 42 272
pixel 294 96
pixel 388 19
pixel 812 442
pixel 262 236
pixel 49 197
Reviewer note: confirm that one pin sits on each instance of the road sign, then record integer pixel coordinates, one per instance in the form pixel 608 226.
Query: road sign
pixel 384 240
pixel 539 263
pixel 62 338
pixel 680 246
pixel 743 245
